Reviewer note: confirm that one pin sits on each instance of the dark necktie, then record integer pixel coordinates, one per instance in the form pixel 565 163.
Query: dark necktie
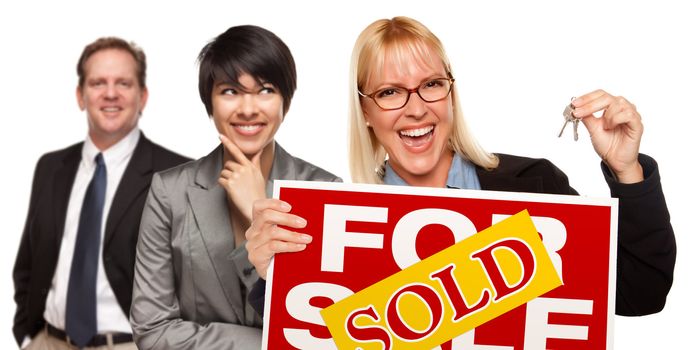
pixel 80 319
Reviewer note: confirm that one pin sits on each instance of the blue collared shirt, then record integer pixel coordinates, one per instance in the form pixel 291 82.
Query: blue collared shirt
pixel 462 174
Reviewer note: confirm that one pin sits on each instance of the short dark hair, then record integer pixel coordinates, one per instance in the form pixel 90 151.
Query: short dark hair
pixel 112 42
pixel 249 50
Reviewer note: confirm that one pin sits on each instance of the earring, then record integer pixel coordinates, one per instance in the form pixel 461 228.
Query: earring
pixel 368 124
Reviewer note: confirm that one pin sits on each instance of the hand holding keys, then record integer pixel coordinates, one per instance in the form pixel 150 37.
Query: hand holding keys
pixel 569 117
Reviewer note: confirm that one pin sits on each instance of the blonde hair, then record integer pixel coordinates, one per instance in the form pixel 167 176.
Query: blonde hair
pixel 397 39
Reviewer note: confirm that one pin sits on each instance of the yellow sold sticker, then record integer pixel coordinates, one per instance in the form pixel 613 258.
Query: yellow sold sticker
pixel 449 293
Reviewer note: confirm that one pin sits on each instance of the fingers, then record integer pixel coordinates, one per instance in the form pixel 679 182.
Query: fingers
pixel 227 178
pixel 261 261
pixel 586 98
pixel 262 248
pixel 277 240
pixel 233 149
pixel 233 166
pixel 271 217
pixel 623 112
pixel 224 182
pixel 270 203
pixel 261 256
pixel 616 111
pixel 615 135
pixel 590 103
pixel 268 214
pixel 240 160
pixel 600 100
pixel 230 171
pixel 265 237
pixel 592 124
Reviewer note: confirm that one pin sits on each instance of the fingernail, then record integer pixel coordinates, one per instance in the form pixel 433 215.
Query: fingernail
pixel 578 113
pixel 301 222
pixel 575 101
pixel 301 246
pixel 305 238
pixel 285 206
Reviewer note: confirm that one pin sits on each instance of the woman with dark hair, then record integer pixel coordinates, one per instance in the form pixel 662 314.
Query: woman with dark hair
pixel 192 274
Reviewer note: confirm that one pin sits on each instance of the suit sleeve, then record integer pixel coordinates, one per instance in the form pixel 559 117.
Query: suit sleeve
pixel 257 296
pixel 646 243
pixel 22 265
pixel 155 314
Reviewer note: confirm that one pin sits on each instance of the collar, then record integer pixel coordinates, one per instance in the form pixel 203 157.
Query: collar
pixel 462 174
pixel 115 153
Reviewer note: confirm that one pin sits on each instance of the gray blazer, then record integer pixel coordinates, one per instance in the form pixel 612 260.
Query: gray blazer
pixel 191 282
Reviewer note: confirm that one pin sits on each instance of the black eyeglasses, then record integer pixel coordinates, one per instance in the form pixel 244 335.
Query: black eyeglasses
pixel 396 97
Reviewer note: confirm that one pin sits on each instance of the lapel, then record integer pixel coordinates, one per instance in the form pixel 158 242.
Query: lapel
pixel 62 187
pixel 501 180
pixel 208 202
pixel 135 180
pixel 283 169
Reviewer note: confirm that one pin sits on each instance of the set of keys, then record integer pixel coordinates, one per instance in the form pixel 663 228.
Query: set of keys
pixel 568 113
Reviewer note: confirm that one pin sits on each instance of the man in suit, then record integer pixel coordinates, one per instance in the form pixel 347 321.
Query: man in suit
pixel 74 270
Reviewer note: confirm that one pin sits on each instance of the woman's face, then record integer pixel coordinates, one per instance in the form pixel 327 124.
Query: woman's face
pixel 249 115
pixel 416 135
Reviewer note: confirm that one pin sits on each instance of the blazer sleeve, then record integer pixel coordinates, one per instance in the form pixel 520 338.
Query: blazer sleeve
pixel 257 296
pixel 646 242
pixel 646 247
pixel 155 314
pixel 22 265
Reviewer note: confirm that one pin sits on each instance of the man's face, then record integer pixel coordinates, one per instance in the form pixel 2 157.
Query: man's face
pixel 111 95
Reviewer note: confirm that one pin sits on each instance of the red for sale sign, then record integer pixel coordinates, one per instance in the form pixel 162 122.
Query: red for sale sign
pixel 363 234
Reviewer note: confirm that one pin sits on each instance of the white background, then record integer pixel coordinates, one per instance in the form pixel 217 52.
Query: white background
pixel 517 64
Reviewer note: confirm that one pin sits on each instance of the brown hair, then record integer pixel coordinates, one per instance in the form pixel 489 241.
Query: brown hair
pixel 112 42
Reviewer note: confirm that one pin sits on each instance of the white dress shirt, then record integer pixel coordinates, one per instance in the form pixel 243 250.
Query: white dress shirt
pixel 109 314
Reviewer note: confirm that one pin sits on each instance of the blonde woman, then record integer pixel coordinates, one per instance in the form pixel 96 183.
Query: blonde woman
pixel 407 128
